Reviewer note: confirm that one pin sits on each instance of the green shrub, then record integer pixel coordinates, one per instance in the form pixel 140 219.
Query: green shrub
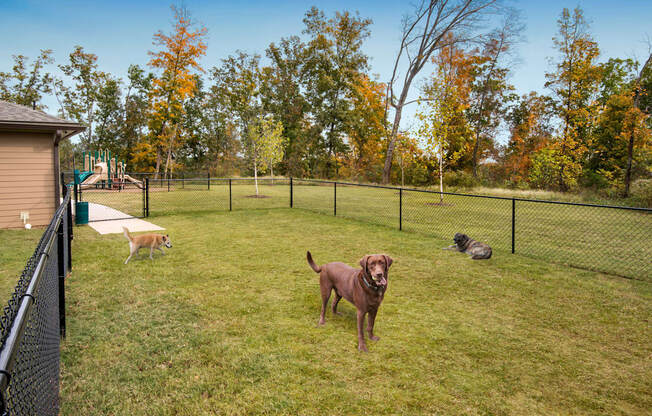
pixel 546 167
pixel 515 184
pixel 460 179
pixel 641 193
pixel 595 180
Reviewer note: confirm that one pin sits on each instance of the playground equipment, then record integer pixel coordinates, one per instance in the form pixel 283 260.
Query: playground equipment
pixel 100 170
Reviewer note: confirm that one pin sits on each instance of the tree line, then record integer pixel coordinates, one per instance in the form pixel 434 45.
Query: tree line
pixel 310 106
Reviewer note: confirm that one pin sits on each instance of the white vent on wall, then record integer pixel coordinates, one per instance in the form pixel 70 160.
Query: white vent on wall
pixel 24 215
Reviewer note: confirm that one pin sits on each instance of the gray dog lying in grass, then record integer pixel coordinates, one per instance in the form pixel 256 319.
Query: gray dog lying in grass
pixel 466 244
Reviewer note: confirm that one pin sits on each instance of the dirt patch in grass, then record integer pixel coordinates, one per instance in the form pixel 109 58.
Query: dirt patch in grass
pixel 438 204
pixel 257 196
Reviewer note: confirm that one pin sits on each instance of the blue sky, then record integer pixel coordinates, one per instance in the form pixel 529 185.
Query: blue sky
pixel 120 32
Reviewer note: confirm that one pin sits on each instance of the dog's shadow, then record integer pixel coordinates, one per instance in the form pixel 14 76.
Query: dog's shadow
pixel 145 256
pixel 345 319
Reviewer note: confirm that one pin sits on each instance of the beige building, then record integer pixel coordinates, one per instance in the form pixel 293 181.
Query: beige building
pixel 29 164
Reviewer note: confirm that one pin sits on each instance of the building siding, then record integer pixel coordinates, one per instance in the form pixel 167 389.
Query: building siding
pixel 26 178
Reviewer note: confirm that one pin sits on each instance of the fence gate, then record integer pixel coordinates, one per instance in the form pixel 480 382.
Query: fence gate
pixel 114 201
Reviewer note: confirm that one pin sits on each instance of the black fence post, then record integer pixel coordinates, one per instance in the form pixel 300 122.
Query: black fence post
pixel 183 180
pixel 400 209
pixel 146 205
pixel 334 198
pixel 230 200
pixel 513 222
pixel 63 187
pixel 168 183
pixel 209 180
pixel 70 233
pixel 61 267
pixel 291 193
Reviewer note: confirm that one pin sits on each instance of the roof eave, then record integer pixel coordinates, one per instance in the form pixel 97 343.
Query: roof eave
pixel 71 132
pixel 67 129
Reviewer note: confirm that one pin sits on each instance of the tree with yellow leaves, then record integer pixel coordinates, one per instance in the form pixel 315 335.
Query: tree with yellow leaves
pixel 442 121
pixel 574 86
pixel 407 149
pixel 264 144
pixel 621 133
pixel 177 60
pixel 444 129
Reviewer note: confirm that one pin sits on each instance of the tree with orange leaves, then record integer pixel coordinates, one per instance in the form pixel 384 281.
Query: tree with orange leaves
pixel 178 60
pixel 530 130
pixel 365 126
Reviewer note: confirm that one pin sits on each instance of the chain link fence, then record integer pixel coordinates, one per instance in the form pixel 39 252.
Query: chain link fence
pixel 600 238
pixel 595 237
pixel 174 196
pixel 33 322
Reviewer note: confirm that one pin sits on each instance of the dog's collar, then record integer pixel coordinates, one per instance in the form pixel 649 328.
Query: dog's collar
pixel 372 287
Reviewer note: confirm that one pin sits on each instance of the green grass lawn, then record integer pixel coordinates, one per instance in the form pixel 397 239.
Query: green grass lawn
pixel 16 247
pixel 226 324
pixel 606 240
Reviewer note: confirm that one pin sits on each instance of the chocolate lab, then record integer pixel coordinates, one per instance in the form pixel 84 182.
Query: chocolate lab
pixel 364 288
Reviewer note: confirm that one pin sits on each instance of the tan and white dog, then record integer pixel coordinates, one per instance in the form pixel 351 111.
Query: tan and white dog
pixel 153 241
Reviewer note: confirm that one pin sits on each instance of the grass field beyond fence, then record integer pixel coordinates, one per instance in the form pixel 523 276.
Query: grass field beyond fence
pixel 225 323
pixel 609 240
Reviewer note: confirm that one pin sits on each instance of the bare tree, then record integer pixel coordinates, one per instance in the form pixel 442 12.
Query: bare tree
pixel 491 86
pixel 423 33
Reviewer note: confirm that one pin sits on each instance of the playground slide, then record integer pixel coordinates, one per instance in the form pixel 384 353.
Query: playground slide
pixel 134 181
pixel 91 179
pixel 81 177
pixel 84 175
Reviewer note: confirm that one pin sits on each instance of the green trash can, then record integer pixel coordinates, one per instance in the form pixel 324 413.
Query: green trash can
pixel 81 213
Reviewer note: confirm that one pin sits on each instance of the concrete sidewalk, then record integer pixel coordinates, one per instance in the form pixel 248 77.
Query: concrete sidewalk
pixel 113 220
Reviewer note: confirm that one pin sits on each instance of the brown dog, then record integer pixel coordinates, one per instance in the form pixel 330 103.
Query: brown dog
pixel 364 288
pixel 153 241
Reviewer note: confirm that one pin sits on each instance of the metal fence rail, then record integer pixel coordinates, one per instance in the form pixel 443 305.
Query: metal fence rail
pixel 33 322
